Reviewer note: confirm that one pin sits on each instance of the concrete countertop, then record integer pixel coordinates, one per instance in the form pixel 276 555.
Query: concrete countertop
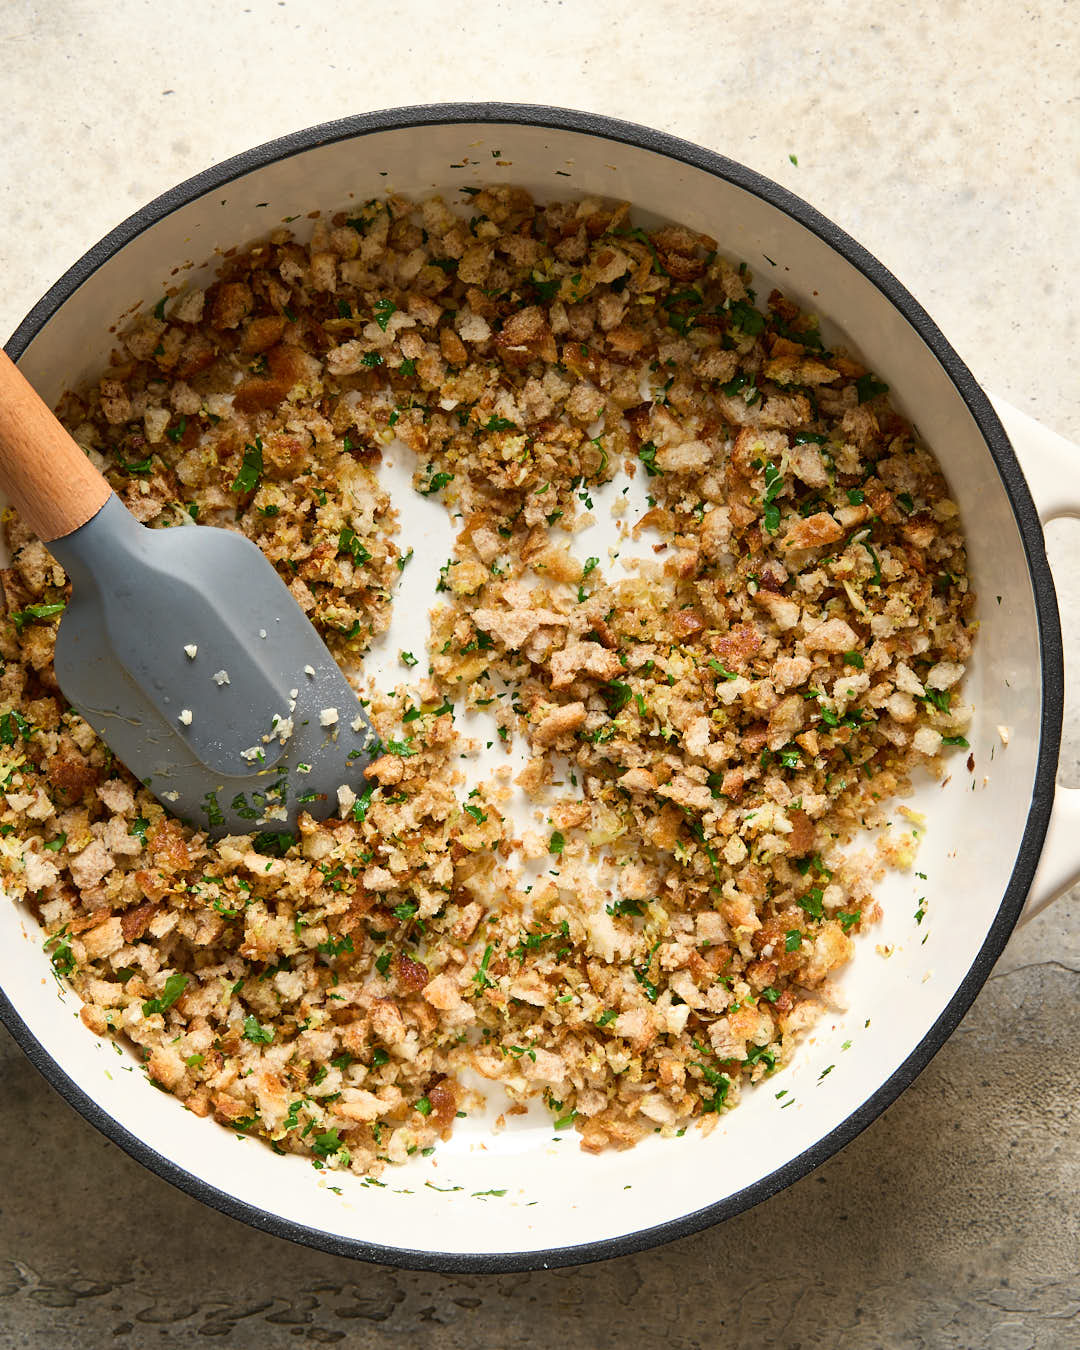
pixel 943 138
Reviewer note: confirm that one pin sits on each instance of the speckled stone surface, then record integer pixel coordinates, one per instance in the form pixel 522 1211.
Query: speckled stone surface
pixel 943 137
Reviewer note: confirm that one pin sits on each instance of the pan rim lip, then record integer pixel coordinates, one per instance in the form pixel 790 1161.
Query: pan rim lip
pixel 1049 639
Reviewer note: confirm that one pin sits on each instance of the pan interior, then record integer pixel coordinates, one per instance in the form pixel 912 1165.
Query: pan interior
pixel 905 973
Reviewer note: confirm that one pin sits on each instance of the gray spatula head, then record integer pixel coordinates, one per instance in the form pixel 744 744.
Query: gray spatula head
pixel 187 654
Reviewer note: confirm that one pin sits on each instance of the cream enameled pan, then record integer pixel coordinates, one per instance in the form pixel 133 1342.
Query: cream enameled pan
pixel 986 831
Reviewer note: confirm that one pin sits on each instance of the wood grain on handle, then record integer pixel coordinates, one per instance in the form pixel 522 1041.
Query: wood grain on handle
pixel 46 475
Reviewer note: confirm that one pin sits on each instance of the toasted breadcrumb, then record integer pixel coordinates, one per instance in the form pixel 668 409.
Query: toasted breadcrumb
pixel 728 715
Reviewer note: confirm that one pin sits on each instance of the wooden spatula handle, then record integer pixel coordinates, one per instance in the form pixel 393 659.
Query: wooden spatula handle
pixel 46 475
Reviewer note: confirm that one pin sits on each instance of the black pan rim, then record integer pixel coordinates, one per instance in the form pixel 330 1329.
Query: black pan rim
pixel 1028 525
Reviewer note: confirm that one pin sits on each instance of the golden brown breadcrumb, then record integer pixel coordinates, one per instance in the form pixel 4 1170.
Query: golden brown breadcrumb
pixel 705 731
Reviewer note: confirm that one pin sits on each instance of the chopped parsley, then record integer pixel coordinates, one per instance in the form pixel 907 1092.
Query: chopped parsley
pixel 647 455
pixel 618 695
pixel 435 482
pixel 174 987
pixel 251 470
pixel 363 802
pixel 940 698
pixel 641 974
pixel 482 979
pixel 625 908
pixel 325 1145
pixel 742 384
pixel 256 1034
pixel 868 387
pixel 61 957
pixel 334 947
pixel 760 1054
pixel 14 724
pixel 721 669
pixel 532 942
pixel 21 617
pixel 383 310
pixel 746 318
pixel 348 543
pixel 774 484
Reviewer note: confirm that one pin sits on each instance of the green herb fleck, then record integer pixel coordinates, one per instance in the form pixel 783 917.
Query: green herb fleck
pixel 348 543
pixel 14 723
pixel 256 1034
pixel 482 979
pixel 174 987
pixel 22 617
pixel 746 318
pixel 61 957
pixel 326 1144
pixel 721 669
pixel 333 947
pixel 383 310
pixel 868 387
pixel 647 455
pixel 247 480
pixel 435 482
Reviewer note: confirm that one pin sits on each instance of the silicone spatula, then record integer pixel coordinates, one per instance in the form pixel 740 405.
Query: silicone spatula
pixel 182 647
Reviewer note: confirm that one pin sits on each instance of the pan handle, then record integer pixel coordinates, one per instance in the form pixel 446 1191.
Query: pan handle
pixel 1051 465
